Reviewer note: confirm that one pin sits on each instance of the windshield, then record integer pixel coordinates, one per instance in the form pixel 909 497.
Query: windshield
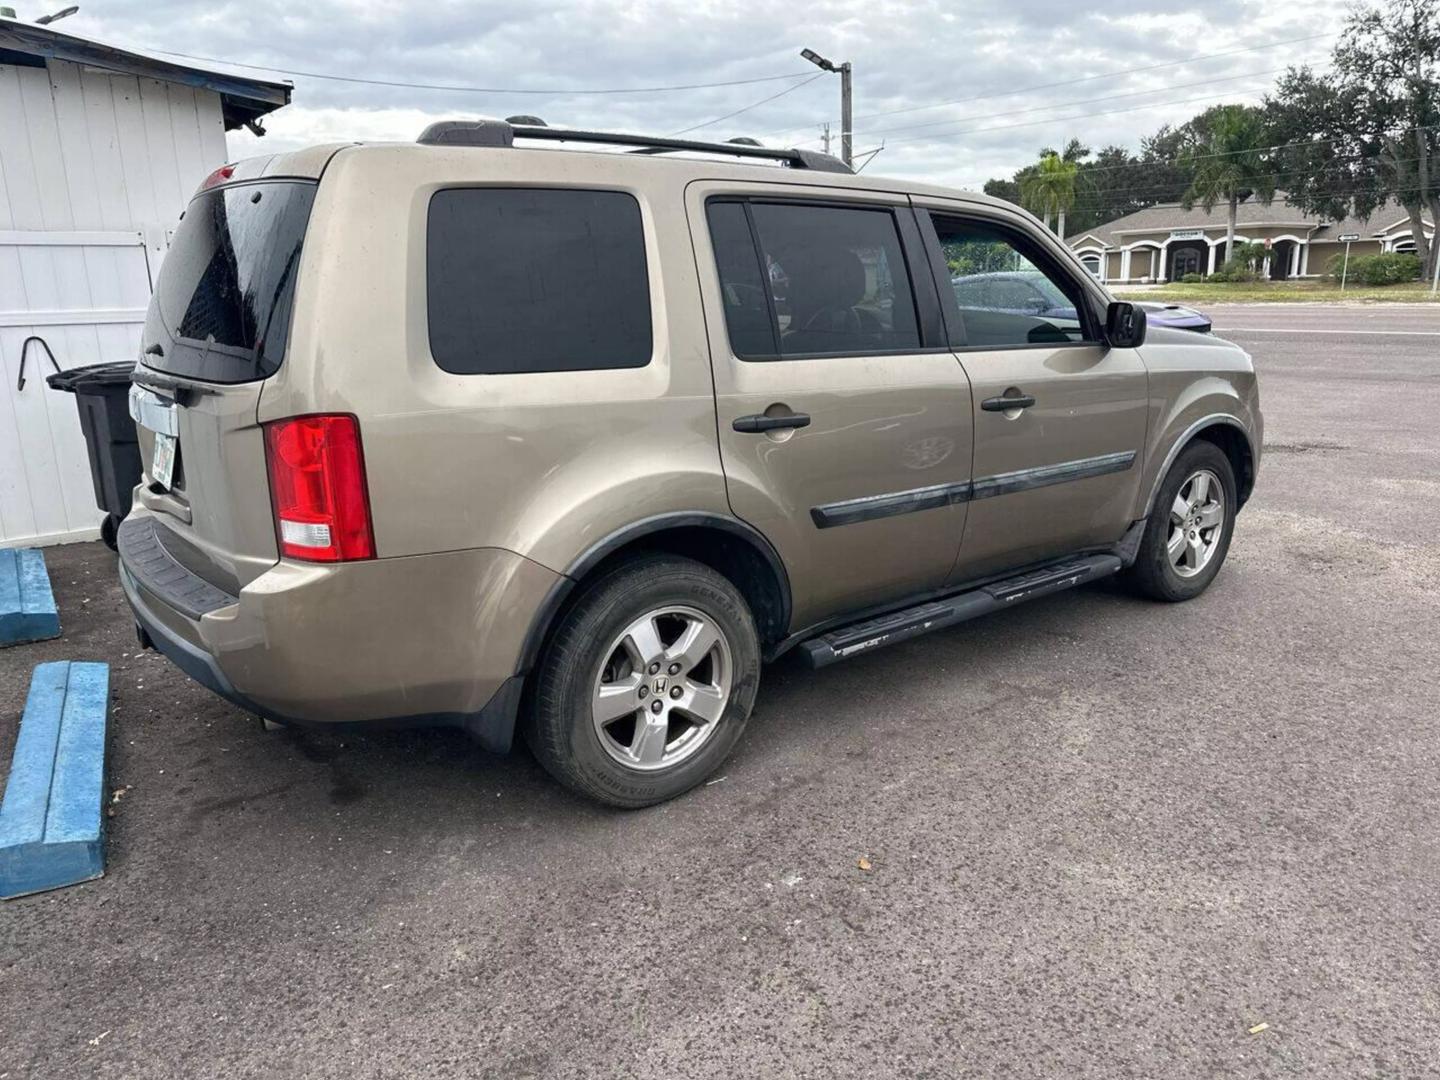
pixel 221 310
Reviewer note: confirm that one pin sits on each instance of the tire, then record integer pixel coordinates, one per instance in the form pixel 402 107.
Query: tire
pixel 641 613
pixel 1156 573
pixel 109 531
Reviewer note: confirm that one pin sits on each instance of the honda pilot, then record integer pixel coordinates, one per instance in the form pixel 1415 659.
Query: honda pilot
pixel 510 431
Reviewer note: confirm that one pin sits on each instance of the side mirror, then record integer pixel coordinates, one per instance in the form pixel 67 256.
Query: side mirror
pixel 1124 325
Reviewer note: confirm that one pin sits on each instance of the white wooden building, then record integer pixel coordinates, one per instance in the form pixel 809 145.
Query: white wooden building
pixel 100 150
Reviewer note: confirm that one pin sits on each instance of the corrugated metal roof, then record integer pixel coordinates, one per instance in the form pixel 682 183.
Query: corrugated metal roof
pixel 243 98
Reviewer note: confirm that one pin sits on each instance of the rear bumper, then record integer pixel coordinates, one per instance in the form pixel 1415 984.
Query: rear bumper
pixel 430 639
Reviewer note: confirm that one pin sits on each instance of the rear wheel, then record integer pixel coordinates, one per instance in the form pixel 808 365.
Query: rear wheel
pixel 1188 534
pixel 110 531
pixel 647 683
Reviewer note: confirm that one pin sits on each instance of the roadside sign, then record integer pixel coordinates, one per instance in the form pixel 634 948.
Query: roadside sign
pixel 1348 238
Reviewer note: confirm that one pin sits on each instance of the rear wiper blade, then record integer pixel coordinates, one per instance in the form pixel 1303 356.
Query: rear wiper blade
pixel 174 383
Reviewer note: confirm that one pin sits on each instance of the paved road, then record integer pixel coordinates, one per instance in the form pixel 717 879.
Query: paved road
pixel 1107 838
pixel 1328 320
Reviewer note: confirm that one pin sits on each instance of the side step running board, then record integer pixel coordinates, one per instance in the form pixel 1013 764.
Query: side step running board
pixel 910 622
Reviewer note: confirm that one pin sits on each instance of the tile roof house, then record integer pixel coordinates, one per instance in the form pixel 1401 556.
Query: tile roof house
pixel 1162 243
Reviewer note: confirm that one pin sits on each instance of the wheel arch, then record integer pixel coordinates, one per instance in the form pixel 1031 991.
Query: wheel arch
pixel 726 544
pixel 1227 432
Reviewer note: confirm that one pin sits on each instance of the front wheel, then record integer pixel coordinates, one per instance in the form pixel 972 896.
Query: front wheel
pixel 1188 534
pixel 647 683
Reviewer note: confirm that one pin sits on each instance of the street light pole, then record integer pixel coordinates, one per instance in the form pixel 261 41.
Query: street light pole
pixel 844 71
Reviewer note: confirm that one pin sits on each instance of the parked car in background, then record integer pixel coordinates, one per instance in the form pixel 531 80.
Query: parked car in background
pixel 1175 315
pixel 568 443
pixel 1021 292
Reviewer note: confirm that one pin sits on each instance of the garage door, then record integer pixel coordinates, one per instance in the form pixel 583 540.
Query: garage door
pixel 84 295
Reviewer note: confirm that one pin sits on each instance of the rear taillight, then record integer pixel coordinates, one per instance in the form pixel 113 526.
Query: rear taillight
pixel 317 486
pixel 216 178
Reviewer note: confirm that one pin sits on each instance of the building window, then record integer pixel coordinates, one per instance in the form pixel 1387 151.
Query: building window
pixel 1091 263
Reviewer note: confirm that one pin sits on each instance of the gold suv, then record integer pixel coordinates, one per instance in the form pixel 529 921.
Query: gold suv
pixel 493 432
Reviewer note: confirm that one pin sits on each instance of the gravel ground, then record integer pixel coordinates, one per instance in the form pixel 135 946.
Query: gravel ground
pixel 1106 838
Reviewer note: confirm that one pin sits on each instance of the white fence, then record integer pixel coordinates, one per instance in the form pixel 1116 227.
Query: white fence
pixel 95 168
pixel 83 294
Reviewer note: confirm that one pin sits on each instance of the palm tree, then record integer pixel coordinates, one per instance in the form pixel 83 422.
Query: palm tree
pixel 1230 164
pixel 1049 187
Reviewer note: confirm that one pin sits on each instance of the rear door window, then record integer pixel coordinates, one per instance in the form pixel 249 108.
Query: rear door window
pixel 803 280
pixel 536 279
pixel 227 286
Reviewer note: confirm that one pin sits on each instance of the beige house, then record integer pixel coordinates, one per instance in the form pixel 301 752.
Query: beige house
pixel 1164 243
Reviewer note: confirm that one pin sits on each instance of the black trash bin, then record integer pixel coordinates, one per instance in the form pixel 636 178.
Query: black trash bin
pixel 102 394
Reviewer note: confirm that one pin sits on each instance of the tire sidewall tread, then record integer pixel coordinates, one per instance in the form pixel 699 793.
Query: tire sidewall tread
pixel 560 732
pixel 1152 573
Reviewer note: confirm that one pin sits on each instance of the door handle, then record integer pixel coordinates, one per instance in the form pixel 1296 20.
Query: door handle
pixel 758 422
pixel 1003 404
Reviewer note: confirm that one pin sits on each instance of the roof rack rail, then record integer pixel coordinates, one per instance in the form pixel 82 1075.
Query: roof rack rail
pixel 502 133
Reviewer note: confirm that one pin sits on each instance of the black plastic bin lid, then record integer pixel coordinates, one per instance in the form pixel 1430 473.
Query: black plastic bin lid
pixel 92 376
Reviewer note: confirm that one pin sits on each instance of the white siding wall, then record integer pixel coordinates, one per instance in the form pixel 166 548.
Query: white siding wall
pixel 94 171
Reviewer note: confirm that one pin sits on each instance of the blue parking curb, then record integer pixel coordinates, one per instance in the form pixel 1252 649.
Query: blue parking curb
pixel 52 816
pixel 27 606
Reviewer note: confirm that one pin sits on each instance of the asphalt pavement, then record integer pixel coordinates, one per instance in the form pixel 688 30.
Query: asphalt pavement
pixel 1106 838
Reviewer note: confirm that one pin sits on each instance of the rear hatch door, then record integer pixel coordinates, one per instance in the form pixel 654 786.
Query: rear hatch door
pixel 216 330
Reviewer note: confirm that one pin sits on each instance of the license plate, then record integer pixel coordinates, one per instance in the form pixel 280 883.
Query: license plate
pixel 162 460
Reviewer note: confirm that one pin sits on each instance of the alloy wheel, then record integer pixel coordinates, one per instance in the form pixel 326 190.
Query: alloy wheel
pixel 662 689
pixel 1197 521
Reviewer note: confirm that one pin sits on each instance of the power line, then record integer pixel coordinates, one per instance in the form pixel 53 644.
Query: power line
pixel 1159 190
pixel 1072 104
pixel 1148 162
pixel 1068 82
pixel 747 108
pixel 1079 116
pixel 556 92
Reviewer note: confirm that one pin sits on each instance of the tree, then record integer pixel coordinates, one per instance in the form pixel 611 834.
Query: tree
pixel 1389 61
pixel 1230 165
pixel 1370 132
pixel 1050 189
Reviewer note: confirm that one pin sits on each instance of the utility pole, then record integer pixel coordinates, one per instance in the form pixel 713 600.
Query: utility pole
pixel 843 70
pixel 825 135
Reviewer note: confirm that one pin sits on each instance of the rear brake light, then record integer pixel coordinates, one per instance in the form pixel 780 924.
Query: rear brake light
pixel 219 176
pixel 317 486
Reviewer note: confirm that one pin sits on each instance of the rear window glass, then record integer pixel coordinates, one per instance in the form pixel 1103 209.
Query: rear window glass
pixel 228 282
pixel 528 280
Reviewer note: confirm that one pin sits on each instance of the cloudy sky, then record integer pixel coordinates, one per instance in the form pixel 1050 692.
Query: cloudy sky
pixel 995 61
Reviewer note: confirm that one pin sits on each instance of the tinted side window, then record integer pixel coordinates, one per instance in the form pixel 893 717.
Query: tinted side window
pixel 747 301
pixel 525 280
pixel 1006 292
pixel 835 277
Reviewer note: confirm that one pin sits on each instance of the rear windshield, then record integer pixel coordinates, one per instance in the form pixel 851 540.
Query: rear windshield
pixel 228 282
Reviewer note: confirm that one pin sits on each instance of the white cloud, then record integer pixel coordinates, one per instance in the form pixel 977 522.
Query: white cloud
pixel 905 54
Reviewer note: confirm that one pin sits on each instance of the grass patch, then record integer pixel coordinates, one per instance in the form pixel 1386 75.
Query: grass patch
pixel 1280 292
